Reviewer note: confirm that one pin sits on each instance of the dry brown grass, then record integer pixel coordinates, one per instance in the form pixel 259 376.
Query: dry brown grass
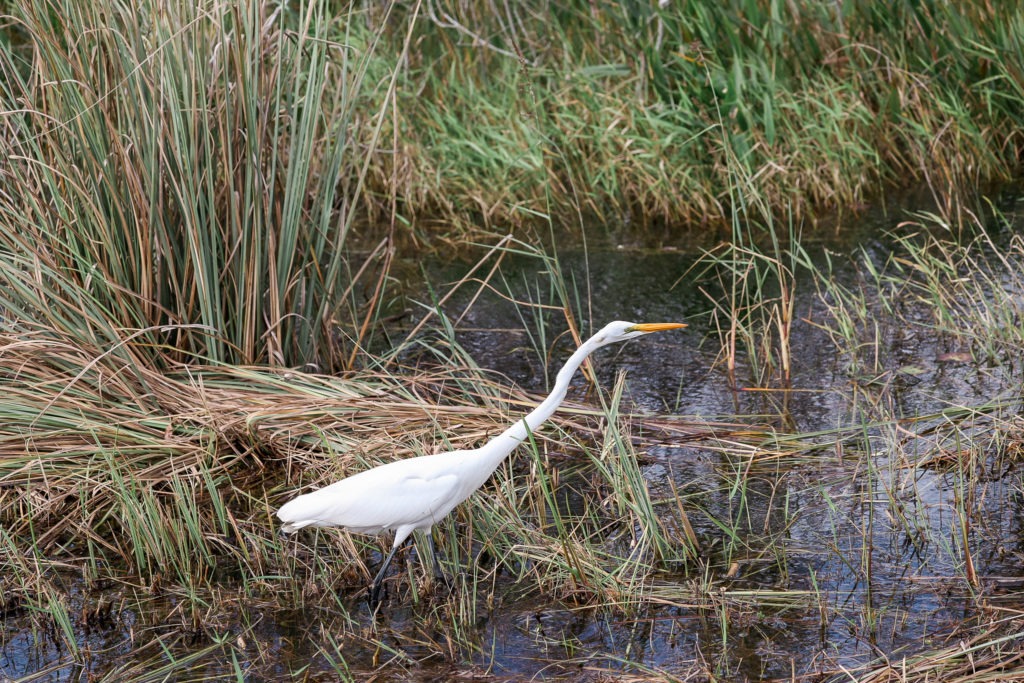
pixel 83 430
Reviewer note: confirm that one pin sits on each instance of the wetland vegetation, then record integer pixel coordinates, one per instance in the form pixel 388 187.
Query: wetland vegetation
pixel 248 248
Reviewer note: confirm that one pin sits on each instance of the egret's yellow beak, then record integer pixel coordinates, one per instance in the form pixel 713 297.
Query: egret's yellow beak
pixel 656 327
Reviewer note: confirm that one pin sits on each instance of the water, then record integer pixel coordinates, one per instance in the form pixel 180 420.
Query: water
pixel 868 541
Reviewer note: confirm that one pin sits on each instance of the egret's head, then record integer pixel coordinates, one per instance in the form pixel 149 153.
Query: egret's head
pixel 621 331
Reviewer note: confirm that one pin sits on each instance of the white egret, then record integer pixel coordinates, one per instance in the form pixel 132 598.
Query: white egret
pixel 416 493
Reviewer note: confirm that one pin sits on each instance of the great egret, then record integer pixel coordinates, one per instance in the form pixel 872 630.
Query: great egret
pixel 416 493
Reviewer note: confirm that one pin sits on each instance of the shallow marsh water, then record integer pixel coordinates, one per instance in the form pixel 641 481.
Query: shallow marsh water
pixel 870 535
pixel 822 556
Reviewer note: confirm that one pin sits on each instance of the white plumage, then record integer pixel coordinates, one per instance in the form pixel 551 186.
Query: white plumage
pixel 416 493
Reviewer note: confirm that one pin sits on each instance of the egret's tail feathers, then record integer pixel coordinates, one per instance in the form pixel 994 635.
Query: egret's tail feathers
pixel 291 527
pixel 291 520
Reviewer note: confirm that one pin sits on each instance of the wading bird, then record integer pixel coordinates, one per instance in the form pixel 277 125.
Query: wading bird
pixel 416 493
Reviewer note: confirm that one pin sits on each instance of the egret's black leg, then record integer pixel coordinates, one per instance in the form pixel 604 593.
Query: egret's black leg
pixel 378 581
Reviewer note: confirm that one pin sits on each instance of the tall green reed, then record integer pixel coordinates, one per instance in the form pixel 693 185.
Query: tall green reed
pixel 193 172
pixel 605 109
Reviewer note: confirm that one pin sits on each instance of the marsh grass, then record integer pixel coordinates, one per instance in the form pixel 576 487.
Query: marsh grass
pixel 164 481
pixel 752 308
pixel 642 112
pixel 991 654
pixel 191 174
pixel 930 471
pixel 180 218
pixel 455 120
pixel 937 479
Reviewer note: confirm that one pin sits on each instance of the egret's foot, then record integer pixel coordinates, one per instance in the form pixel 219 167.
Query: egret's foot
pixel 373 599
pixel 484 558
pixel 441 578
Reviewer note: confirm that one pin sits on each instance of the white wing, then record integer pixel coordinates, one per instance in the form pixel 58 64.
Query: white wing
pixel 412 493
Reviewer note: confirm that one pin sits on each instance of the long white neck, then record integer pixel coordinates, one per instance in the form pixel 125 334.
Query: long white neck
pixel 498 448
